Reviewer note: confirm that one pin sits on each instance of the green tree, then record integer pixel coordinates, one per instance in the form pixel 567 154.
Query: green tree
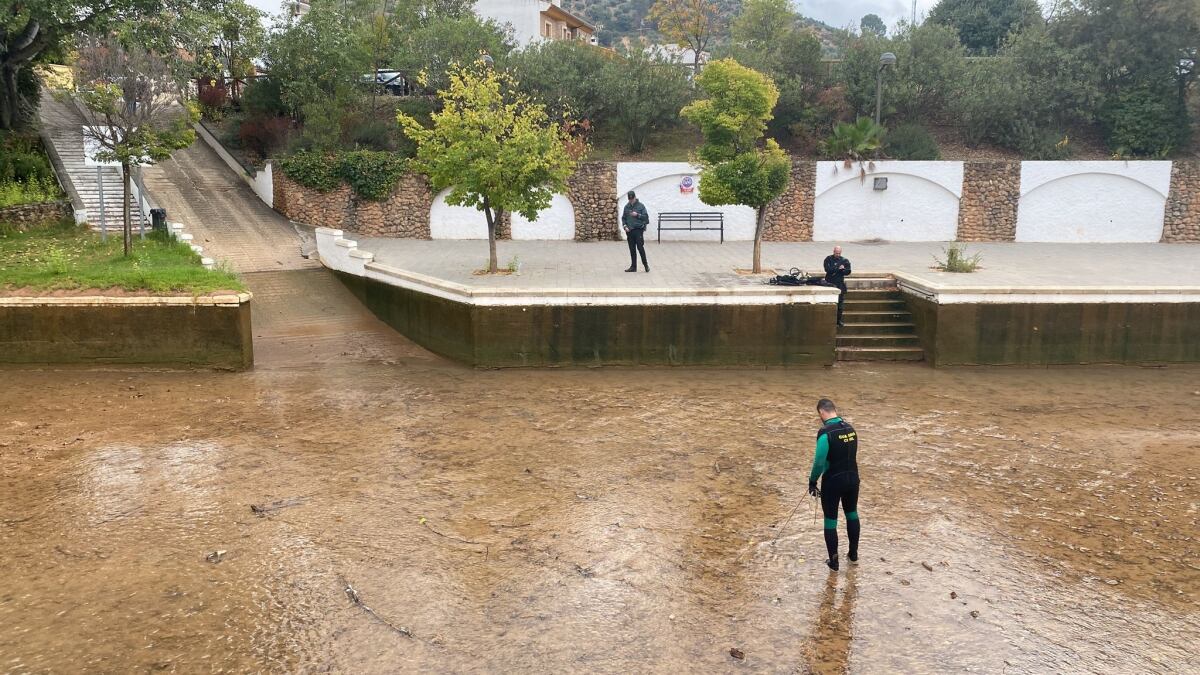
pixel 983 25
pixel 736 167
pixel 29 30
pixel 691 24
pixel 438 42
pixel 567 76
pixel 1145 51
pixel 495 148
pixel 871 23
pixel 130 97
pixel 644 93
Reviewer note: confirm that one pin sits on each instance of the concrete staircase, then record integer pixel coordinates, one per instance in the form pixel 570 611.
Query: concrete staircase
pixel 879 326
pixel 62 124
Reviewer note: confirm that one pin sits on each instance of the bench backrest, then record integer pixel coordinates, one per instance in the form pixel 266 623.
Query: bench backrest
pixel 692 217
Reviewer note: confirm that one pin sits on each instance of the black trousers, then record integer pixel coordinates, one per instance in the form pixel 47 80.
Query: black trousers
pixel 637 244
pixel 841 300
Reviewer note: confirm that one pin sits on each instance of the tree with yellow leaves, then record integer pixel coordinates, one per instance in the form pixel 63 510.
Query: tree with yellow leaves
pixel 688 23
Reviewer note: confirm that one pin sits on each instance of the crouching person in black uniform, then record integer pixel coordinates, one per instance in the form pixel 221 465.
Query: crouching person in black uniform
pixel 836 460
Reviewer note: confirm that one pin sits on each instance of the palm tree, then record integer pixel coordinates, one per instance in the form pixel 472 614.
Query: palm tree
pixel 854 142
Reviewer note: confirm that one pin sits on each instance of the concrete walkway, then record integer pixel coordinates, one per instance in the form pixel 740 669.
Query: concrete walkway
pixel 301 314
pixel 545 264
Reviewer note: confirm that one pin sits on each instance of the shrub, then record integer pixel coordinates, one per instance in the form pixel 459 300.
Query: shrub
pixel 911 142
pixel 263 136
pixel 1144 121
pixel 853 142
pixel 374 135
pixel 263 98
pixel 34 191
pixel 957 259
pixel 1039 143
pixel 315 170
pixel 213 97
pixel 372 175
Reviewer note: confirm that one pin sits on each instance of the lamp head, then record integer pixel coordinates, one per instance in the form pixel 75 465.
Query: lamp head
pixel 887 59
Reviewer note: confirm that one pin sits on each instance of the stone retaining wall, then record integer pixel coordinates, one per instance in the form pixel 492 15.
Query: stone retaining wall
pixel 988 208
pixel 405 214
pixel 790 217
pixel 593 193
pixel 1181 221
pixel 34 214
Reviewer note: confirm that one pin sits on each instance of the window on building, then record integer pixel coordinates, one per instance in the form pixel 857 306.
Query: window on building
pixel 548 31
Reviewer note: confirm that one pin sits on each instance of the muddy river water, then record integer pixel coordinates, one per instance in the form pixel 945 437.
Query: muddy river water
pixel 594 520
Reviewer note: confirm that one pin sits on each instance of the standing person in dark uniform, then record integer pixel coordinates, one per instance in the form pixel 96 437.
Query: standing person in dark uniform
pixel 837 269
pixel 635 220
pixel 836 460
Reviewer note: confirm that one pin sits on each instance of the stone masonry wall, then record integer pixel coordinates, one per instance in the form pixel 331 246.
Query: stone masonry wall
pixel 34 214
pixel 790 217
pixel 1181 222
pixel 988 208
pixel 593 192
pixel 405 214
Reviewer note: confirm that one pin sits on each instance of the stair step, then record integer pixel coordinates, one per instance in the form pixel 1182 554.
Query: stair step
pixel 873 316
pixel 877 341
pixel 878 328
pixel 876 305
pixel 880 354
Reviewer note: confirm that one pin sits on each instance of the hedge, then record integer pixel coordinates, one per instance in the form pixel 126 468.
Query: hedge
pixel 371 174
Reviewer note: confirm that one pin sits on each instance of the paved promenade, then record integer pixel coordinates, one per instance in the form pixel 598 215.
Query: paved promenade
pixel 554 264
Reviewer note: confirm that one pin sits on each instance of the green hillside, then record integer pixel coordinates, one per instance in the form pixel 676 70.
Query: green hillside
pixel 624 18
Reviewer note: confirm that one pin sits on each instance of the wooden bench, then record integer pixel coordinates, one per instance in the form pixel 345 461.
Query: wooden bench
pixel 705 220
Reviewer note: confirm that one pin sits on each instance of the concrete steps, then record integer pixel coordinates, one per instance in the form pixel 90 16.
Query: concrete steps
pixel 878 327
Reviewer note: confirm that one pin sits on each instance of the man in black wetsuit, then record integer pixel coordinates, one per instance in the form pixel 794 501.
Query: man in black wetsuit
pixel 837 269
pixel 836 460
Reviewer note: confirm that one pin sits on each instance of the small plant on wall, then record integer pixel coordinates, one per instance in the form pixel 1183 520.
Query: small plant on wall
pixel 854 142
pixel 957 260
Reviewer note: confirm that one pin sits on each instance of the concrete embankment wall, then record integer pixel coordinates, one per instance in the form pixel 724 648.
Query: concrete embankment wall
pixel 589 335
pixel 1059 333
pixel 209 332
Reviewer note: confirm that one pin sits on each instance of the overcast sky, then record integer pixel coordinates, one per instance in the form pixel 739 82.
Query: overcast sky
pixel 836 13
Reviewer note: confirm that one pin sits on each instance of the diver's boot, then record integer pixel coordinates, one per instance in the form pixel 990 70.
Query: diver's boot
pixel 831 545
pixel 853 529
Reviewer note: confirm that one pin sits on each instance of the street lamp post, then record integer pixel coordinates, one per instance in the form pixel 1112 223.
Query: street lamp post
pixel 885 60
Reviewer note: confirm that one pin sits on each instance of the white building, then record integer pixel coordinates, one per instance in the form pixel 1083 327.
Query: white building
pixel 533 20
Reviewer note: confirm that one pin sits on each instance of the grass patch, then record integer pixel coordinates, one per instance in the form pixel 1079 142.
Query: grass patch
pixel 65 257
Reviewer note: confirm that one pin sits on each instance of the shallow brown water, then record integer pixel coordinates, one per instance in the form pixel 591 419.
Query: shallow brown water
pixel 600 521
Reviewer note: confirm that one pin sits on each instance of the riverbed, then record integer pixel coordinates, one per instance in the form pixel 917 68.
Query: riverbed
pixel 414 515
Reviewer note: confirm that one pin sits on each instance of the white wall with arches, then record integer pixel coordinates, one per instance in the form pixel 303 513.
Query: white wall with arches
pixel 464 222
pixel 920 202
pixel 657 185
pixel 1093 202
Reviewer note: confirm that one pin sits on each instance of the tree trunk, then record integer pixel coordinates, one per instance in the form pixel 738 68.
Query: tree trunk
pixel 758 233
pixel 493 221
pixel 127 225
pixel 10 100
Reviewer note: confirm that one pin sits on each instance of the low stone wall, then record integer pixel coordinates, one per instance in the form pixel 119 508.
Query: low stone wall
pixel 1181 222
pixel 207 332
pixel 790 218
pixel 35 214
pixel 593 193
pixel 405 214
pixel 988 208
